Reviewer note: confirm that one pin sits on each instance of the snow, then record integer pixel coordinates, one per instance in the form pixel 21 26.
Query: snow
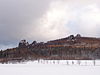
pixel 53 67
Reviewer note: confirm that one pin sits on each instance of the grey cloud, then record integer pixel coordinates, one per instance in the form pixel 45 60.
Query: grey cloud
pixel 17 17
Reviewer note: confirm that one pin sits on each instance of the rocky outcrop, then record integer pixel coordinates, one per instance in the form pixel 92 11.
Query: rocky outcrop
pixel 23 44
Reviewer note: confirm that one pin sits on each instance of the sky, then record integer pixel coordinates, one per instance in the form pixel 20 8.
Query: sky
pixel 44 20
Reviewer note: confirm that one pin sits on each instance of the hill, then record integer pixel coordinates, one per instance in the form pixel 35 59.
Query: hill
pixel 69 48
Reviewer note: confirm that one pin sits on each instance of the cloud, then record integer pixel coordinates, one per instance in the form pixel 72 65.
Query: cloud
pixel 65 17
pixel 44 20
pixel 89 23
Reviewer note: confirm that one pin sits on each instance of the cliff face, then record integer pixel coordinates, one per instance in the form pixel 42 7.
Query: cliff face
pixel 69 48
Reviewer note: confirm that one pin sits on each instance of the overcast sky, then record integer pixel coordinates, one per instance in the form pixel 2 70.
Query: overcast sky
pixel 44 20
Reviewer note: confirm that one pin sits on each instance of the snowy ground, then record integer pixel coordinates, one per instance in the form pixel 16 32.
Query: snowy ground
pixel 51 68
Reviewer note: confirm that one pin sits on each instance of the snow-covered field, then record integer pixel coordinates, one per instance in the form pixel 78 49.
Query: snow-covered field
pixel 51 68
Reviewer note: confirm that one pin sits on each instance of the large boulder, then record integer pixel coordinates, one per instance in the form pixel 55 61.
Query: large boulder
pixel 78 36
pixel 71 37
pixel 23 44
